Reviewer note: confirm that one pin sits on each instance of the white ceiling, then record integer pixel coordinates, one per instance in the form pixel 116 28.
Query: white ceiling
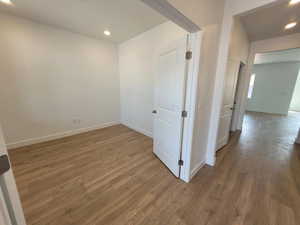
pixel 291 55
pixel 124 18
pixel 270 22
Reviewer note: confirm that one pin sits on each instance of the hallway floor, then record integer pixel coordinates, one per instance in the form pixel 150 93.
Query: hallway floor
pixel 110 177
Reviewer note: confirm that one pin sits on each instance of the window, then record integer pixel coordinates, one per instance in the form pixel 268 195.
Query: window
pixel 251 86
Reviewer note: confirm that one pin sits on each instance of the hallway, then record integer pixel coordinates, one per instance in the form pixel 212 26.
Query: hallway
pixel 263 166
pixel 256 180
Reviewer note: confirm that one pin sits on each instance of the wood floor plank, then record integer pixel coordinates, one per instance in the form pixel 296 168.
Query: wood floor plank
pixel 111 177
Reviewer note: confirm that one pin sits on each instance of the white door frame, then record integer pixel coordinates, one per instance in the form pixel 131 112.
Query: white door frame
pixel 4 215
pixel 195 40
pixel 10 192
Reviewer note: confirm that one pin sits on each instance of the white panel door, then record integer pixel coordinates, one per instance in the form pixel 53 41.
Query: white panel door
pixel 169 104
pixel 228 102
pixel 11 211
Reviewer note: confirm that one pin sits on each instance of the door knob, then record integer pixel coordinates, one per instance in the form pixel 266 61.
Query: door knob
pixel 154 112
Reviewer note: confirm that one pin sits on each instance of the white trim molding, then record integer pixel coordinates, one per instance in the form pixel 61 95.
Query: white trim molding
pixel 196 169
pixel 138 129
pixel 58 135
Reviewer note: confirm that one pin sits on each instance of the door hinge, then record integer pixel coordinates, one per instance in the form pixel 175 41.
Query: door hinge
pixel 180 162
pixel 188 55
pixel 184 114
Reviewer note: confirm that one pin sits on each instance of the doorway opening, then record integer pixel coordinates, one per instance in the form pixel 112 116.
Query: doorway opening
pixel 273 91
pixel 229 114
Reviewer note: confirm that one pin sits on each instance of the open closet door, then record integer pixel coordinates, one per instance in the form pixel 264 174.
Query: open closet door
pixel 228 102
pixel 11 212
pixel 170 88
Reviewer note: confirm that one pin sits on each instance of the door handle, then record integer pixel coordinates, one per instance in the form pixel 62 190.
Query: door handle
pixel 4 164
pixel 154 112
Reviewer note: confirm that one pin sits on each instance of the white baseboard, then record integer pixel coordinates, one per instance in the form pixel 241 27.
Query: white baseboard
pixel 196 169
pixel 211 161
pixel 57 135
pixel 138 129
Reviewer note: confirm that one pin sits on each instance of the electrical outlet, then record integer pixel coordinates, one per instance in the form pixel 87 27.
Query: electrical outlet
pixel 76 121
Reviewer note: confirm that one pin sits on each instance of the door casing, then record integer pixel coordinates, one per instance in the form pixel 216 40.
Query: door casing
pixel 9 192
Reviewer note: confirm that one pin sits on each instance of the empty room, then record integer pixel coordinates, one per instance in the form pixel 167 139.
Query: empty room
pixel 149 112
pixel 89 92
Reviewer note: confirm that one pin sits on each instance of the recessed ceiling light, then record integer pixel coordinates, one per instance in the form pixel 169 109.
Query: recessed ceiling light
pixel 290 25
pixel 107 33
pixel 293 2
pixel 7 2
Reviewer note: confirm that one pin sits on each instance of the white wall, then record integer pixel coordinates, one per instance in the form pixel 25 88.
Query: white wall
pixel 239 44
pixel 273 88
pixel 295 103
pixel 137 60
pixel 51 77
pixel 205 91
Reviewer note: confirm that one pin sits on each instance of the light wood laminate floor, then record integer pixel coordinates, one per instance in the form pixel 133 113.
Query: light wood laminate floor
pixel 110 177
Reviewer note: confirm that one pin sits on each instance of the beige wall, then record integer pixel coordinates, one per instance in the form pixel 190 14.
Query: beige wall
pixel 54 82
